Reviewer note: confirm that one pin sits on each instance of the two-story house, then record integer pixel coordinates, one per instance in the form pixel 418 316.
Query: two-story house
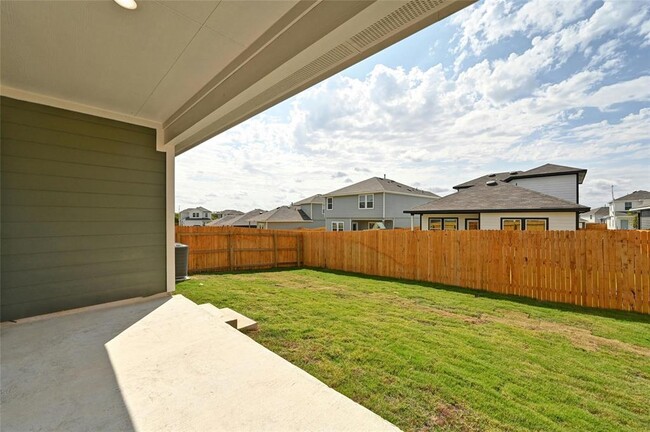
pixel 314 208
pixel 543 198
pixel 627 211
pixel 364 205
pixel 197 216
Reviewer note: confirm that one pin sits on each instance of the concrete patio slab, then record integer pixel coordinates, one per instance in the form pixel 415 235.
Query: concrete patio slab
pixel 161 365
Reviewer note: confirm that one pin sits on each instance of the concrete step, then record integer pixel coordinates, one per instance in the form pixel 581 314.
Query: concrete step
pixel 243 323
pixel 230 317
pixel 215 312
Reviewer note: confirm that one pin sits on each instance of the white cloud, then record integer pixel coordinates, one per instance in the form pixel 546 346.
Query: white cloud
pixel 434 129
pixel 491 21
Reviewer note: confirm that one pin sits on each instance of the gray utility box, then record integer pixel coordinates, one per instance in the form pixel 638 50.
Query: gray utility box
pixel 182 258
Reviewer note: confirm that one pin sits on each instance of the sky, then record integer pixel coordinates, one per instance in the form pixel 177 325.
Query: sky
pixel 502 85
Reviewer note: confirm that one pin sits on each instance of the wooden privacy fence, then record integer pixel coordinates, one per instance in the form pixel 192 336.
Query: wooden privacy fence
pixel 594 268
pixel 221 249
pixel 602 269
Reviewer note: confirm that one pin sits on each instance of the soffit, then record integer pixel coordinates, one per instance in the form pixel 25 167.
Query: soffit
pixel 192 69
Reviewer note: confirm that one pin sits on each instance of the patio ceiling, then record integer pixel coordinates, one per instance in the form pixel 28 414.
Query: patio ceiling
pixel 192 69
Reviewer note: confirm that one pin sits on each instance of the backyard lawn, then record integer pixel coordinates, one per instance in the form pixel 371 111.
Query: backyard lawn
pixel 431 357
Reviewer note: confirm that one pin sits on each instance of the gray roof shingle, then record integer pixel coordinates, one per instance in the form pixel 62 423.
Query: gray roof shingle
pixel 500 197
pixel 314 199
pixel 380 185
pixel 636 195
pixel 284 214
pixel 540 171
pixel 243 220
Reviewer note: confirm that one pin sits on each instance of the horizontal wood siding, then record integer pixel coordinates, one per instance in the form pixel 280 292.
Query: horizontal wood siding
pixel 83 210
pixel 561 186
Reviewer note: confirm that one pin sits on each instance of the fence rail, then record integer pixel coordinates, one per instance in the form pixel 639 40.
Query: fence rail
pixel 594 268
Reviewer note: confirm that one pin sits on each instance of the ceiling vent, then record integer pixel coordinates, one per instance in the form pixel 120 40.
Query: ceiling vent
pixel 335 56
pixel 491 183
pixel 393 21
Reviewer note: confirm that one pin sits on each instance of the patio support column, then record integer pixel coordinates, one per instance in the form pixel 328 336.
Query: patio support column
pixel 169 219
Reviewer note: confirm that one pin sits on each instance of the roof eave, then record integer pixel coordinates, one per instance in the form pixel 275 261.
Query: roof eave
pixel 553 210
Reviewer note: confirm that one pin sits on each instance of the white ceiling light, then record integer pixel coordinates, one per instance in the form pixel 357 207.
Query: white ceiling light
pixel 127 4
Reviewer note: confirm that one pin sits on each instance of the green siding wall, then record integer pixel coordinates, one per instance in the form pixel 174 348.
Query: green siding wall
pixel 82 213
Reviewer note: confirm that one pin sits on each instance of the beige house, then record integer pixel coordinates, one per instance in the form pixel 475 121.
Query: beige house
pixel 509 201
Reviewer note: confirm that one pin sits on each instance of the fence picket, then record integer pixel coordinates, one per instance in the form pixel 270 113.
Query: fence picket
pixel 594 268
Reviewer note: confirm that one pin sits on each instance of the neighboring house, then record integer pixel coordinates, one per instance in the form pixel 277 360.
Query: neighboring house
pixel 497 205
pixel 623 211
pixel 556 180
pixel 197 216
pixel 543 198
pixel 357 207
pixel 223 213
pixel 284 218
pixel 245 220
pixel 314 207
pixel 643 217
pixel 594 216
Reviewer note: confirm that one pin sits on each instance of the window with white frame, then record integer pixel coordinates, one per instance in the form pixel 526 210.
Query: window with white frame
pixel 367 201
pixel 337 226
pixel 330 203
pixel 628 205
pixel 195 215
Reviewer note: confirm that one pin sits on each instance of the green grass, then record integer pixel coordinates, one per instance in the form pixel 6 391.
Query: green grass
pixel 432 357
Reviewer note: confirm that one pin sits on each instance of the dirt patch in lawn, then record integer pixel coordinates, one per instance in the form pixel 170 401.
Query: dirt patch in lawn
pixel 450 417
pixel 579 337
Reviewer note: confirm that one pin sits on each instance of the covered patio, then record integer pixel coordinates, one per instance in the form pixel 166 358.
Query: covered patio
pixel 97 100
pixel 162 364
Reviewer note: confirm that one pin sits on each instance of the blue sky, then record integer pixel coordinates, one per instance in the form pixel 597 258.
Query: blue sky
pixel 502 85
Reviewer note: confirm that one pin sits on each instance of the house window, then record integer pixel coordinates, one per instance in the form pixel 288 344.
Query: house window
pixel 450 224
pixel 536 224
pixel 435 224
pixel 330 203
pixel 472 224
pixel 511 224
pixel 628 205
pixel 367 201
pixel 355 226
pixel 337 226
pixel 206 214
pixel 195 215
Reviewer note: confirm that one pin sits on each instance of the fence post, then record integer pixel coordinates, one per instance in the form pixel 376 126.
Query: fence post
pixel 275 249
pixel 231 253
